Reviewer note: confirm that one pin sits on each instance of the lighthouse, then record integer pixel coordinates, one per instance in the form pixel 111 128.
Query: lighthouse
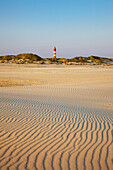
pixel 54 53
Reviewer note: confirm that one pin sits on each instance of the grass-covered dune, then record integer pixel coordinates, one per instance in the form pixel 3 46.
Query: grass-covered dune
pixel 25 57
pixel 90 59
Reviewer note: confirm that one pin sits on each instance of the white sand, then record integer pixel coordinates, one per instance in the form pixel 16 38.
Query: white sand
pixel 63 121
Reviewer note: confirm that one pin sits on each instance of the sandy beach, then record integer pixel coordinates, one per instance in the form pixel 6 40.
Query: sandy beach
pixel 56 117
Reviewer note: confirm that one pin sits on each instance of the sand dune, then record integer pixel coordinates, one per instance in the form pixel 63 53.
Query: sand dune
pixel 58 126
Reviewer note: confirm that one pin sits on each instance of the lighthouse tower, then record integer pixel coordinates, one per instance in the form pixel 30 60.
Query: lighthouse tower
pixel 54 53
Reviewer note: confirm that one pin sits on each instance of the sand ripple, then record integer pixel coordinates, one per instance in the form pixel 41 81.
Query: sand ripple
pixel 40 130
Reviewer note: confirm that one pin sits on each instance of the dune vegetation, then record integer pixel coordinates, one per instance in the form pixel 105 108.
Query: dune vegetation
pixel 26 58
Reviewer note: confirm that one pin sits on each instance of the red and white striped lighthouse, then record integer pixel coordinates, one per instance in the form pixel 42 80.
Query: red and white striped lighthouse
pixel 54 53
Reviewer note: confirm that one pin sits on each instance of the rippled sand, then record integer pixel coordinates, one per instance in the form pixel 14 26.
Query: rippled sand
pixel 63 122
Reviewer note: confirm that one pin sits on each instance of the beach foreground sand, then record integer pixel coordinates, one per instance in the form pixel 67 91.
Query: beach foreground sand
pixel 56 118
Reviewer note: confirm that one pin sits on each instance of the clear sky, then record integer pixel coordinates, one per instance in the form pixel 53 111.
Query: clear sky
pixel 75 27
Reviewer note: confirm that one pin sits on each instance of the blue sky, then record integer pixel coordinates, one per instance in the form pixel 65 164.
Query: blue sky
pixel 75 27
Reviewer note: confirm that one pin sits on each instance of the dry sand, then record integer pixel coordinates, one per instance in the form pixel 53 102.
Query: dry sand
pixel 63 121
